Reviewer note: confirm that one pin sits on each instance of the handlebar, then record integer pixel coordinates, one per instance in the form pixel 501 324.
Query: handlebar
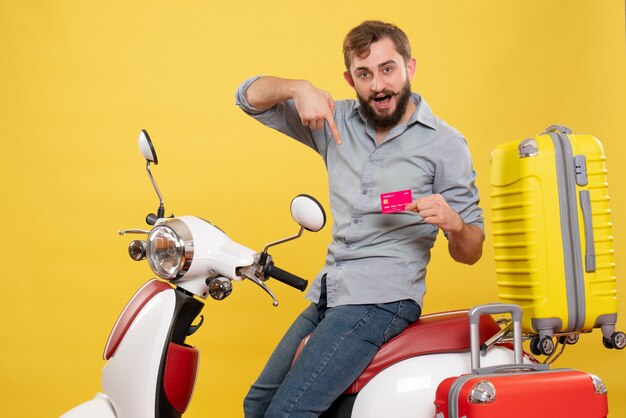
pixel 286 277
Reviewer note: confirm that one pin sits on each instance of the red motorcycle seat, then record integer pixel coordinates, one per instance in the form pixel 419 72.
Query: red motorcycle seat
pixel 436 333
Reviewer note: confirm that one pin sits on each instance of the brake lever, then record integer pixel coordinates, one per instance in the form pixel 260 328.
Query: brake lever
pixel 262 285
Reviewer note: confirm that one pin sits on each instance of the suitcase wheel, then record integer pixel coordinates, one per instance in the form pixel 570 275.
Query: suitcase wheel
pixel 617 341
pixel 542 345
pixel 570 339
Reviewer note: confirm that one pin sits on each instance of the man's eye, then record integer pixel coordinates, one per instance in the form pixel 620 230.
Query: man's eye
pixel 362 75
pixel 387 69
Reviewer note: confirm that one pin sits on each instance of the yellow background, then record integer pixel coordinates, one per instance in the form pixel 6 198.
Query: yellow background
pixel 79 79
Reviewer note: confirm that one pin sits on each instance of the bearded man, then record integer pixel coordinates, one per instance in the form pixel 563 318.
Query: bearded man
pixel 381 150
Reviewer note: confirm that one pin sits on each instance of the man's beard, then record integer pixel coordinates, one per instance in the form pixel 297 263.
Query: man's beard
pixel 386 120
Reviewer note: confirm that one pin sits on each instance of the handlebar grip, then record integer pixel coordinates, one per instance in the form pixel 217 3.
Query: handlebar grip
pixel 286 277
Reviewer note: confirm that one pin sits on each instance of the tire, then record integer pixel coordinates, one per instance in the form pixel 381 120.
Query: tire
pixel 534 346
pixel 618 339
pixel 546 346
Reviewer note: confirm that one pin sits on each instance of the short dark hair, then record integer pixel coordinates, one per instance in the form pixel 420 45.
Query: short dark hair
pixel 359 40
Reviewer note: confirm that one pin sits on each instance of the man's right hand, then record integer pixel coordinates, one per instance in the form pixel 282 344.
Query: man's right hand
pixel 314 106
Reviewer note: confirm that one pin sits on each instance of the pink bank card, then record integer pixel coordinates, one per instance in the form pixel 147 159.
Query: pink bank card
pixel 395 201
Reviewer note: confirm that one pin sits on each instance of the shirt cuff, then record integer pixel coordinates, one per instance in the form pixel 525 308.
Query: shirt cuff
pixel 240 97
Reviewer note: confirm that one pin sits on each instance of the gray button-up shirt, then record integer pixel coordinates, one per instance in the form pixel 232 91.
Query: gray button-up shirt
pixel 376 257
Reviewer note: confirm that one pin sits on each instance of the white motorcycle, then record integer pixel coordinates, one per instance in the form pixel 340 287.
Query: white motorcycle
pixel 151 372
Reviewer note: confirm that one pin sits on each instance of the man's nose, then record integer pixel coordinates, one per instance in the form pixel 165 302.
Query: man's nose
pixel 374 86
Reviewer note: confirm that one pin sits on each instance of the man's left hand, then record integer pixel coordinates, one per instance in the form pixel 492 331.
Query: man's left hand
pixel 435 210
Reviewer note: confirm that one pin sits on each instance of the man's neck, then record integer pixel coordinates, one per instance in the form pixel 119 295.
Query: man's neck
pixel 381 133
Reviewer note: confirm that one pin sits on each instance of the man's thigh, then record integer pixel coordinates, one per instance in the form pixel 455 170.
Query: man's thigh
pixel 339 349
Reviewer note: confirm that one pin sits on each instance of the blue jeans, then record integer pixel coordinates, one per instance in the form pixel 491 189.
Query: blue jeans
pixel 343 341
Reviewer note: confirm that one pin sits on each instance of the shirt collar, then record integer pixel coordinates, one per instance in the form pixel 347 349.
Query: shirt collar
pixel 422 114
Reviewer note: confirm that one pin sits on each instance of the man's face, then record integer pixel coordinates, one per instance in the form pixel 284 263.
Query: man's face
pixel 382 83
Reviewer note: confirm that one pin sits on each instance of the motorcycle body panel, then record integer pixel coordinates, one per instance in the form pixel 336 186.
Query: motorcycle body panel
pixel 150 372
pixel 98 407
pixel 130 376
pixel 407 389
pixel 214 254
pixel 130 312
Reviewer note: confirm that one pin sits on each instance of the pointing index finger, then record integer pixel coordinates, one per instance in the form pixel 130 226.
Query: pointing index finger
pixel 333 128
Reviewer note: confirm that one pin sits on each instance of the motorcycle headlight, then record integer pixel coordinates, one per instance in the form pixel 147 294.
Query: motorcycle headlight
pixel 169 249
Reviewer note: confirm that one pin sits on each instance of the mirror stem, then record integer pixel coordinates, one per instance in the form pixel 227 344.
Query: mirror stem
pixel 161 210
pixel 263 257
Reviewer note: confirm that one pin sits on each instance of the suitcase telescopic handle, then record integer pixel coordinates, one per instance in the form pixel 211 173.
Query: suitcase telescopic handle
pixel 493 309
pixel 590 247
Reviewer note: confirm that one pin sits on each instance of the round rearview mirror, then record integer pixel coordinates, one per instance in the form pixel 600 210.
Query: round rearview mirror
pixel 146 147
pixel 308 213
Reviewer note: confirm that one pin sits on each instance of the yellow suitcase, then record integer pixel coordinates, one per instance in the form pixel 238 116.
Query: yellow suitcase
pixel 552 236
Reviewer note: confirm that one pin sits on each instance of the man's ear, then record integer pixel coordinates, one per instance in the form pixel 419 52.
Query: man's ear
pixel 410 68
pixel 348 77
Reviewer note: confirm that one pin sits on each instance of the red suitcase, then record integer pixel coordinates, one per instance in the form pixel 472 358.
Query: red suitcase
pixel 518 390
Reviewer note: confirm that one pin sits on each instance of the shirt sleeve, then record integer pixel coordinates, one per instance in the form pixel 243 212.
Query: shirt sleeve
pixel 455 181
pixel 282 117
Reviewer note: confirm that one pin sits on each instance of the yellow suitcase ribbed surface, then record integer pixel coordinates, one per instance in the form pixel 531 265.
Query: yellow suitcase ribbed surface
pixel 527 232
pixel 600 285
